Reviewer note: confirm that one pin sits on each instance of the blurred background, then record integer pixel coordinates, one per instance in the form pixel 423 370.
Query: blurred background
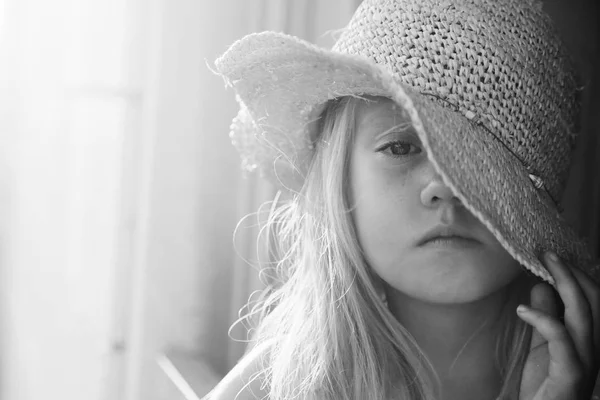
pixel 120 192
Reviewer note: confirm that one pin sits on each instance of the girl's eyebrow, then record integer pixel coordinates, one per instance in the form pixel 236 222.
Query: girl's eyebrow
pixel 402 127
pixel 375 120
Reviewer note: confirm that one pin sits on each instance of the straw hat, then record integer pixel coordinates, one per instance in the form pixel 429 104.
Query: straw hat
pixel 487 84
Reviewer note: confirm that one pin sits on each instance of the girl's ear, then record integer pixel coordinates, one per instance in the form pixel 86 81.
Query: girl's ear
pixel 380 287
pixel 383 297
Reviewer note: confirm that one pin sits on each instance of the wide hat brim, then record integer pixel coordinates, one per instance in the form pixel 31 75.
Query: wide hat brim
pixel 283 82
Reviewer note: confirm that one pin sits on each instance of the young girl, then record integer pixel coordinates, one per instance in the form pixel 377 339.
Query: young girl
pixel 421 253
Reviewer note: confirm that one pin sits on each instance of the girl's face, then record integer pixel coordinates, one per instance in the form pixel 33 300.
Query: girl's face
pixel 397 198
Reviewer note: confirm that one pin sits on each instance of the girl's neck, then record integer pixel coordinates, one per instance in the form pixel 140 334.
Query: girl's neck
pixel 458 339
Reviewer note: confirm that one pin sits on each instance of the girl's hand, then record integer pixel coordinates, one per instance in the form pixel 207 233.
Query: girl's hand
pixel 564 355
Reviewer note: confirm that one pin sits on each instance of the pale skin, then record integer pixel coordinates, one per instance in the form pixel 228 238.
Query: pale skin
pixel 449 297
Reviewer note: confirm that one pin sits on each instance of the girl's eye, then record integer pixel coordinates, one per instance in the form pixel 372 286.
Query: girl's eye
pixel 398 149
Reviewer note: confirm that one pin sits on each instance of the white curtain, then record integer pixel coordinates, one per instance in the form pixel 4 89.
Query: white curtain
pixel 70 98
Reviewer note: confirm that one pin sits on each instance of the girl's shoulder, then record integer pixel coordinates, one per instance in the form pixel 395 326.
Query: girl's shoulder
pixel 243 381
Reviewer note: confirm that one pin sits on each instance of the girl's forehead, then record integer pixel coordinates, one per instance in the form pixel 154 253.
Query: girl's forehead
pixel 379 111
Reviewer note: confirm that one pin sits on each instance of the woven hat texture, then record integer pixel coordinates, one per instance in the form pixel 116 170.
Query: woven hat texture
pixel 488 85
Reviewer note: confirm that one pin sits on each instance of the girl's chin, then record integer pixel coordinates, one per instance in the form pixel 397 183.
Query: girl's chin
pixel 443 288
pixel 446 298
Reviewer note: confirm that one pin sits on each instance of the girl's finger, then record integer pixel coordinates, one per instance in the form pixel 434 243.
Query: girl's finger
pixel 563 353
pixel 578 315
pixel 543 298
pixel 592 292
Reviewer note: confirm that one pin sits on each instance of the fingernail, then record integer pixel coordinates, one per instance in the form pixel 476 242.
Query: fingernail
pixel 552 256
pixel 522 309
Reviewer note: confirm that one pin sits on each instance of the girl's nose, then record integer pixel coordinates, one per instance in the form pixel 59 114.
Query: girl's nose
pixel 436 192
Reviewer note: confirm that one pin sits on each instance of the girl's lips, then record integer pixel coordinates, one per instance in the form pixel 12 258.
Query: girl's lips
pixel 449 232
pixel 451 242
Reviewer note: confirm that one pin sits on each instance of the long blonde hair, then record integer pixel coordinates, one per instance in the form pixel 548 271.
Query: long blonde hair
pixel 330 336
